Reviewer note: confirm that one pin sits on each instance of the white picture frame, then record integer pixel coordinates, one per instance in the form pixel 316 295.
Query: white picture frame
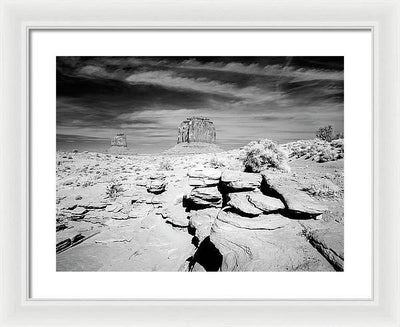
pixel 19 18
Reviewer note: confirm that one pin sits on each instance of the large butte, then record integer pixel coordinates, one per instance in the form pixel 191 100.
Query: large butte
pixel 195 135
pixel 196 129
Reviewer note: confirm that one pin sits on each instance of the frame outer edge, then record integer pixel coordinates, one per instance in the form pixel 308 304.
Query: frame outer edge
pixel 14 307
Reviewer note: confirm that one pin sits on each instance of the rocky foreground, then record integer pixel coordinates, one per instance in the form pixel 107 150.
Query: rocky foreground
pixel 198 212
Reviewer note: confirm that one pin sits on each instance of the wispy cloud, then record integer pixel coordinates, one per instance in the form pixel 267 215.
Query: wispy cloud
pixel 171 80
pixel 298 74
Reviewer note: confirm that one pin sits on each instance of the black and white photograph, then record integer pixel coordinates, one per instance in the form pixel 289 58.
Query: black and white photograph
pixel 200 164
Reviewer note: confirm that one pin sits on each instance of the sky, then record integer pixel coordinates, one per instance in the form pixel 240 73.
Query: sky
pixel 248 98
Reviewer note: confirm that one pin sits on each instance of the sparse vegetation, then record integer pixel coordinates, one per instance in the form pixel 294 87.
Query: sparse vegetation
pixel 317 150
pixel 216 163
pixel 306 233
pixel 114 189
pixel 87 183
pixel 264 154
pixel 323 189
pixel 165 165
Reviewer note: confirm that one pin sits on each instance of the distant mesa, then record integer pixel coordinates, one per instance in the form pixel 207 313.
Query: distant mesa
pixel 118 144
pixel 119 140
pixel 196 129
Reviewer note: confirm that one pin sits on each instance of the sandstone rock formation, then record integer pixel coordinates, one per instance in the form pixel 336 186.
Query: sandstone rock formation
pixel 201 222
pixel 196 129
pixel 118 144
pixel 119 140
pixel 204 177
pixel 329 242
pixel 268 243
pixel 239 181
pixel 156 184
pixel 296 200
pixel 205 197
pixel 196 217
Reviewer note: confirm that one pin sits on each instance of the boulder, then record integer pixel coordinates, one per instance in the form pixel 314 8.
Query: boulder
pixel 265 203
pixel 240 202
pixel 204 177
pixel 156 184
pixel 201 220
pixel 176 216
pixel 203 197
pixel 234 180
pixel 295 200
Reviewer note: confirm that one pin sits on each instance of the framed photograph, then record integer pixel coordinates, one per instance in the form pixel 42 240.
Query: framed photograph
pixel 233 166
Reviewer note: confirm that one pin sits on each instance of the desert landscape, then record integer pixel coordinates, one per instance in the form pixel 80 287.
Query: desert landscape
pixel 225 164
pixel 197 208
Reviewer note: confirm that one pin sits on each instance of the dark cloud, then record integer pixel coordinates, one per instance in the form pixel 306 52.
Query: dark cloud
pixel 283 98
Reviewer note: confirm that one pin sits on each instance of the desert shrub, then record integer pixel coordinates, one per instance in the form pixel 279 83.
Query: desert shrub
pixel 339 147
pixel 338 143
pixel 338 135
pixel 317 150
pixel 114 189
pixel 323 189
pixel 264 154
pixel 326 154
pixel 216 163
pixel 165 165
pixel 86 183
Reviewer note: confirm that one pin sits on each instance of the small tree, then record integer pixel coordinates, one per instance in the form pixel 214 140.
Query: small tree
pixel 325 133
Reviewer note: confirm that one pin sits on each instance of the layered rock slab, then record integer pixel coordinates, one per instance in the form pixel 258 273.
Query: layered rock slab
pixel 295 200
pixel 203 197
pixel 329 241
pixel 265 203
pixel 240 202
pixel 156 184
pixel 201 221
pixel 265 243
pixel 176 216
pixel 237 181
pixel 201 177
